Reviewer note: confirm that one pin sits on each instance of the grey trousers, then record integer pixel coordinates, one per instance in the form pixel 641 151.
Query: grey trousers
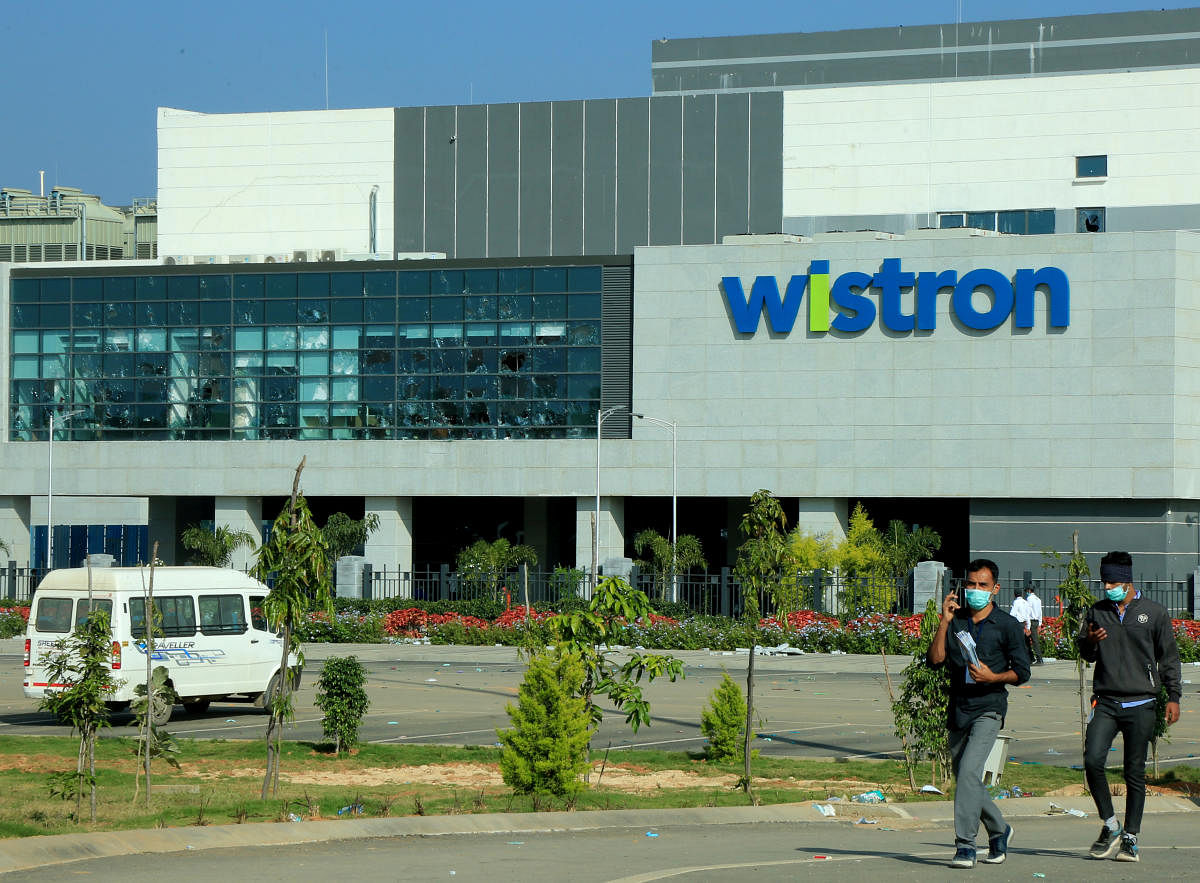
pixel 969 750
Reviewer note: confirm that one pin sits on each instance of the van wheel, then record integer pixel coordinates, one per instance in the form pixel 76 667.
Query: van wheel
pixel 198 707
pixel 161 708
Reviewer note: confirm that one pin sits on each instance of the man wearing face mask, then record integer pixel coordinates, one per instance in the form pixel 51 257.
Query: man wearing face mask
pixel 1132 641
pixel 984 649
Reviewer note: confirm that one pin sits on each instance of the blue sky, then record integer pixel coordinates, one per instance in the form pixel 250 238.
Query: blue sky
pixel 84 78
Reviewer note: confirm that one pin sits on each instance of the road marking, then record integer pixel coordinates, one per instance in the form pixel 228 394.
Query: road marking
pixel 430 736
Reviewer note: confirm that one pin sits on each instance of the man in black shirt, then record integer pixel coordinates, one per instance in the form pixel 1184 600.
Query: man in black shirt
pixel 984 648
pixel 1132 641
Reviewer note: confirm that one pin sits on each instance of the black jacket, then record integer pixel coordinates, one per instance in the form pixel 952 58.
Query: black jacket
pixel 1138 655
pixel 1000 645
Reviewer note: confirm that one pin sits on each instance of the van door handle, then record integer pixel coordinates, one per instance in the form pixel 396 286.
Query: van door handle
pixel 254 640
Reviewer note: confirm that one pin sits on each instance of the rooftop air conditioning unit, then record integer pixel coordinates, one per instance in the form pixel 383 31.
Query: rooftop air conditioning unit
pixel 210 259
pixel 300 256
pixel 175 259
pixel 275 259
pixel 329 255
pixel 245 259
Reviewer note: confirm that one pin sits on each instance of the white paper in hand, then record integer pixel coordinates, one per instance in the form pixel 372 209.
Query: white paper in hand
pixel 968 645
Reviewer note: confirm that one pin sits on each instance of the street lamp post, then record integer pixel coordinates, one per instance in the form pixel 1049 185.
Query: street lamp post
pixel 601 416
pixel 63 418
pixel 673 426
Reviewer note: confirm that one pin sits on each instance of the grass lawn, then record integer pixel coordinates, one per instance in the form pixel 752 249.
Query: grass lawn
pixel 219 783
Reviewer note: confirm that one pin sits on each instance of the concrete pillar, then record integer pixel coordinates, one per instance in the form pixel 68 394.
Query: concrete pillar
pixel 537 530
pixel 611 533
pixel 823 515
pixel 14 529
pixel 240 513
pixel 391 546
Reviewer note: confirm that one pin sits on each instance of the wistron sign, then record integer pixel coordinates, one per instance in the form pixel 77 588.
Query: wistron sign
pixel 849 298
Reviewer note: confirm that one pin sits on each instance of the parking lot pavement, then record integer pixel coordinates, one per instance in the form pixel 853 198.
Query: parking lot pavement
pixel 812 705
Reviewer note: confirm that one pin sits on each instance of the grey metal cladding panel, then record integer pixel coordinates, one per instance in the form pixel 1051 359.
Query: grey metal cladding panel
pixel 471 204
pixel 535 179
pixel 503 178
pixel 616 348
pixel 600 177
pixel 1119 219
pixel 699 166
pixel 1073 27
pixel 1068 510
pixel 666 162
pixel 1119 56
pixel 439 179
pixel 566 212
pixel 766 162
pixel 408 215
pixel 733 164
pixel 633 171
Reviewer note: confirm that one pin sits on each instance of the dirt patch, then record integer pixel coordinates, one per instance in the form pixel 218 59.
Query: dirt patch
pixel 480 775
pixel 33 763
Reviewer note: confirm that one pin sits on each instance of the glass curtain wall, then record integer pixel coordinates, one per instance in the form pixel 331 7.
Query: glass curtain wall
pixel 509 352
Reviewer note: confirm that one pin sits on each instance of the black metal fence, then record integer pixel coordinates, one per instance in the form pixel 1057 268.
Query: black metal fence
pixel 702 592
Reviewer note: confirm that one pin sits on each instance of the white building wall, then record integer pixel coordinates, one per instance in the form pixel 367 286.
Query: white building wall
pixel 979 145
pixel 272 183
pixel 1084 412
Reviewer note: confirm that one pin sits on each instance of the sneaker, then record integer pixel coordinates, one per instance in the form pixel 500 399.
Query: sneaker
pixel 964 858
pixel 1128 851
pixel 998 847
pixel 1107 843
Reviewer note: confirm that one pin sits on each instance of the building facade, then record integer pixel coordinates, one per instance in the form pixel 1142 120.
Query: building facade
pixel 836 267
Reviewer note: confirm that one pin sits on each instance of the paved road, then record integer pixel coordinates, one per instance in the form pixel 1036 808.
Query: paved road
pixel 1051 847
pixel 816 705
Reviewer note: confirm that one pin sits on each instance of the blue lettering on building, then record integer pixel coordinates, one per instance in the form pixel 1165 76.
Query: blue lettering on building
pixel 859 298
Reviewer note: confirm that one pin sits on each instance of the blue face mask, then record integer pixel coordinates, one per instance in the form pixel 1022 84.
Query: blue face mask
pixel 1116 595
pixel 977 599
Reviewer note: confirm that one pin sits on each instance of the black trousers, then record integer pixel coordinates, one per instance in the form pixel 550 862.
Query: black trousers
pixel 1035 640
pixel 1136 726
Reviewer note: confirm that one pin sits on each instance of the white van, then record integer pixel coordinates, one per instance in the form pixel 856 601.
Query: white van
pixel 214 641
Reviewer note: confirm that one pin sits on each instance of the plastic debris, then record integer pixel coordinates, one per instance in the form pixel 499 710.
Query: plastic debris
pixel 932 789
pixel 875 796
pixel 651 834
pixel 393 723
pixel 516 843
pixel 431 680
pixel 292 817
pixel 865 821
pixel 825 809
pixel 821 857
pixel 230 720
pixel 1055 809
pixel 1054 751
pixel 1042 876
pixel 354 809
pixel 1017 792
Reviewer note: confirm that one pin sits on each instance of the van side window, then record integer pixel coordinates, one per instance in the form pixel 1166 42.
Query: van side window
pixel 222 614
pixel 53 614
pixel 177 616
pixel 81 609
pixel 258 619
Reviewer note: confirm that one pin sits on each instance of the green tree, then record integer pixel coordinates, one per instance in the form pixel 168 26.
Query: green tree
pixel 920 712
pixel 485 564
pixel 761 561
pixel 666 560
pixel 860 556
pixel 1076 599
pixel 81 661
pixel 583 632
pixel 297 559
pixel 214 547
pixel 342 697
pixel 545 752
pixel 344 535
pixel 904 547
pixel 812 551
pixel 723 722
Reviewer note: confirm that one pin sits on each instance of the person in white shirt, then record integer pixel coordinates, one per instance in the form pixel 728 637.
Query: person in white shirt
pixel 1035 625
pixel 1020 612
